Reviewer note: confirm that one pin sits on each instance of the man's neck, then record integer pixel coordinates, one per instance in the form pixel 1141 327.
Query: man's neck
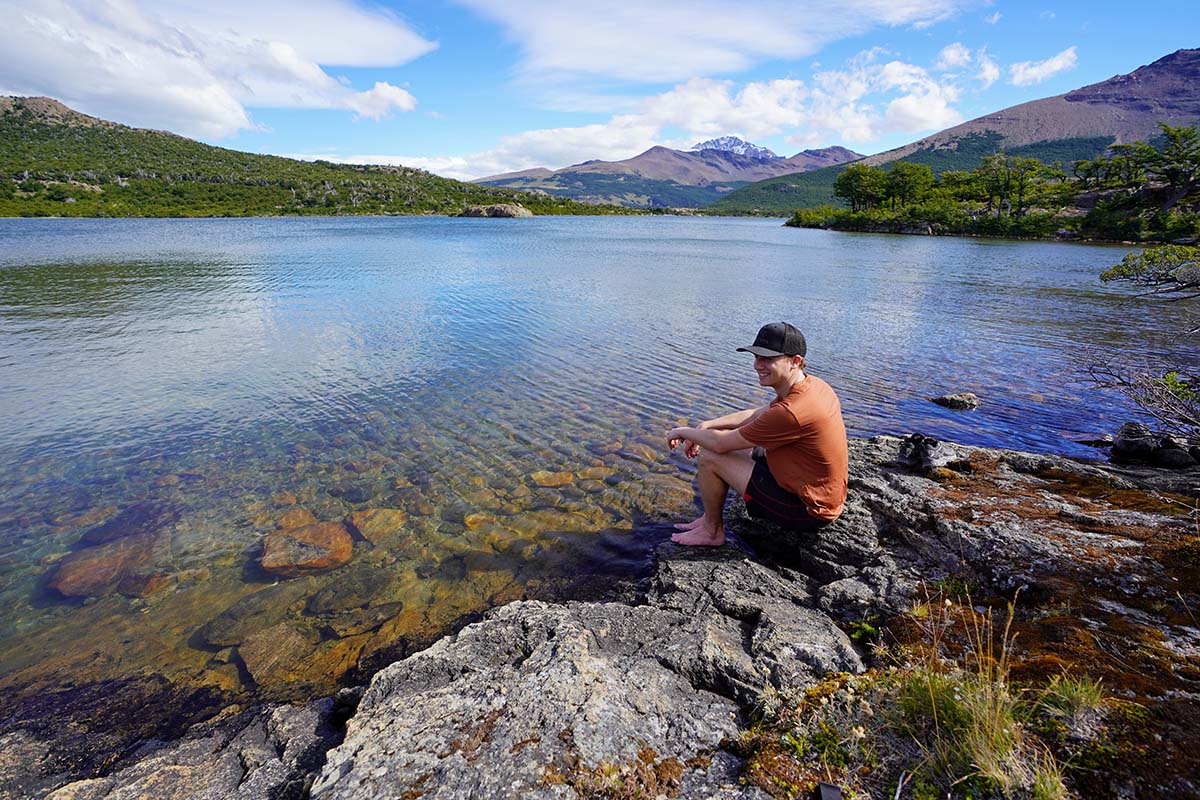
pixel 782 390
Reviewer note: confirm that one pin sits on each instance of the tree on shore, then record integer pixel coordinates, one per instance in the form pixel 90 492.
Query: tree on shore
pixel 1166 391
pixel 863 186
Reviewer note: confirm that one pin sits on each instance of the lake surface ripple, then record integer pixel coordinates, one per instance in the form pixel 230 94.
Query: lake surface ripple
pixel 501 385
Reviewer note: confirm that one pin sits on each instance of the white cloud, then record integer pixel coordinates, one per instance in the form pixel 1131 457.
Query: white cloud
pixel 953 56
pixel 674 40
pixel 1027 73
pixel 379 102
pixel 856 104
pixel 195 68
pixel 989 71
pixel 992 19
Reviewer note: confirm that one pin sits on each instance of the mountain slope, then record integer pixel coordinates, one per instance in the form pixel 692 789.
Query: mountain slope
pixel 56 161
pixel 1127 108
pixel 665 177
pixel 1065 128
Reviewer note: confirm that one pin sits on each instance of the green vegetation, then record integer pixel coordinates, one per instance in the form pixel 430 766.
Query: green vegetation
pixel 778 197
pixel 97 169
pixel 928 725
pixel 811 190
pixel 1140 191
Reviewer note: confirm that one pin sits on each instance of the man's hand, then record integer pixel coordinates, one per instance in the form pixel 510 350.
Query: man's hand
pixel 676 436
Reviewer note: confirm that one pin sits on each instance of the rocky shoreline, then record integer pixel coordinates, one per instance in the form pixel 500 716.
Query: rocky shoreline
pixel 539 699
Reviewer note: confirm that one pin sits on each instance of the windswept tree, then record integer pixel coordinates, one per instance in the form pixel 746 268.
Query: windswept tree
pixel 1169 392
pixel 1177 161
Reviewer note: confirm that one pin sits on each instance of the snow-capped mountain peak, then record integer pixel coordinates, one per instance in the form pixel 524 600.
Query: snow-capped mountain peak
pixel 733 144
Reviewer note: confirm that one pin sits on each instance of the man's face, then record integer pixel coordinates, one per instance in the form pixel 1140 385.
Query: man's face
pixel 774 369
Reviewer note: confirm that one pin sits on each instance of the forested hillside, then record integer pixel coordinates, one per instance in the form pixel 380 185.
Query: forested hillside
pixel 57 162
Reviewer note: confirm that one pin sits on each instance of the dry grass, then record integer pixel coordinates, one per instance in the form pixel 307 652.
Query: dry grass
pixel 942 720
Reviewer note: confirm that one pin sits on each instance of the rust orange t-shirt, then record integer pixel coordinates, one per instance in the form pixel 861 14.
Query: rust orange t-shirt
pixel 805 440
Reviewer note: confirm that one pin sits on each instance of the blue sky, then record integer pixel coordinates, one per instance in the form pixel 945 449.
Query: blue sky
pixel 476 87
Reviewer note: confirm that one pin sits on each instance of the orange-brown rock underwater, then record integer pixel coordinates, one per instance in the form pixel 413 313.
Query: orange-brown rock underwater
pixel 738 673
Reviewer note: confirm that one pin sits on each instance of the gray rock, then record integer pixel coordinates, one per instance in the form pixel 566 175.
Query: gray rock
pixel 498 210
pixel 1172 458
pixel 963 401
pixel 532 692
pixel 1134 442
pixel 263 753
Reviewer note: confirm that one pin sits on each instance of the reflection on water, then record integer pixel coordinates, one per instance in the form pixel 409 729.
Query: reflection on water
pixel 495 391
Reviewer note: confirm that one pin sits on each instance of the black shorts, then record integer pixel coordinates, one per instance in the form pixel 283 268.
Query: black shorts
pixel 766 499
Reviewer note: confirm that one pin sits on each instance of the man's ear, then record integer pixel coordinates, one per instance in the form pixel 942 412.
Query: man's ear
pixel 798 361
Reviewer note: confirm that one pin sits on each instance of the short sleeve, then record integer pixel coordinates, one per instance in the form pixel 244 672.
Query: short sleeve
pixel 774 428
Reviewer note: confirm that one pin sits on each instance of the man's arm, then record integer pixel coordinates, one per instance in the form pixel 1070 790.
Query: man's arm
pixel 719 441
pixel 734 420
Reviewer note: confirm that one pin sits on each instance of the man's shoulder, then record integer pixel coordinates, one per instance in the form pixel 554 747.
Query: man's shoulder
pixel 810 388
pixel 816 399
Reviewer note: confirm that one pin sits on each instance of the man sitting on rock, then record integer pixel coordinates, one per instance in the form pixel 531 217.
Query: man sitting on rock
pixel 788 459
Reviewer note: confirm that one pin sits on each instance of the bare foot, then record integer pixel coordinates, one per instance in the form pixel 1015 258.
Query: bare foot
pixel 701 537
pixel 689 526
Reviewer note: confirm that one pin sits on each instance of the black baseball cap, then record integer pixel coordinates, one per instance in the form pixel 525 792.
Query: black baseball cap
pixel 777 339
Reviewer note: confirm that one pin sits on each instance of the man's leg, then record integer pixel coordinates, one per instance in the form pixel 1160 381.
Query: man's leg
pixel 715 474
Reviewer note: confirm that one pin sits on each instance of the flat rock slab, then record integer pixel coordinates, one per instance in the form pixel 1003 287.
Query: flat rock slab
pixel 515 705
pixel 310 548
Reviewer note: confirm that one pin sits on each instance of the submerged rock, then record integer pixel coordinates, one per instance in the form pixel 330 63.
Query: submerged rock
pixel 361 620
pixel 98 570
pixel 378 523
pixel 544 478
pixel 140 518
pixel 358 587
pixel 297 518
pixel 311 548
pixel 271 653
pixel 252 613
